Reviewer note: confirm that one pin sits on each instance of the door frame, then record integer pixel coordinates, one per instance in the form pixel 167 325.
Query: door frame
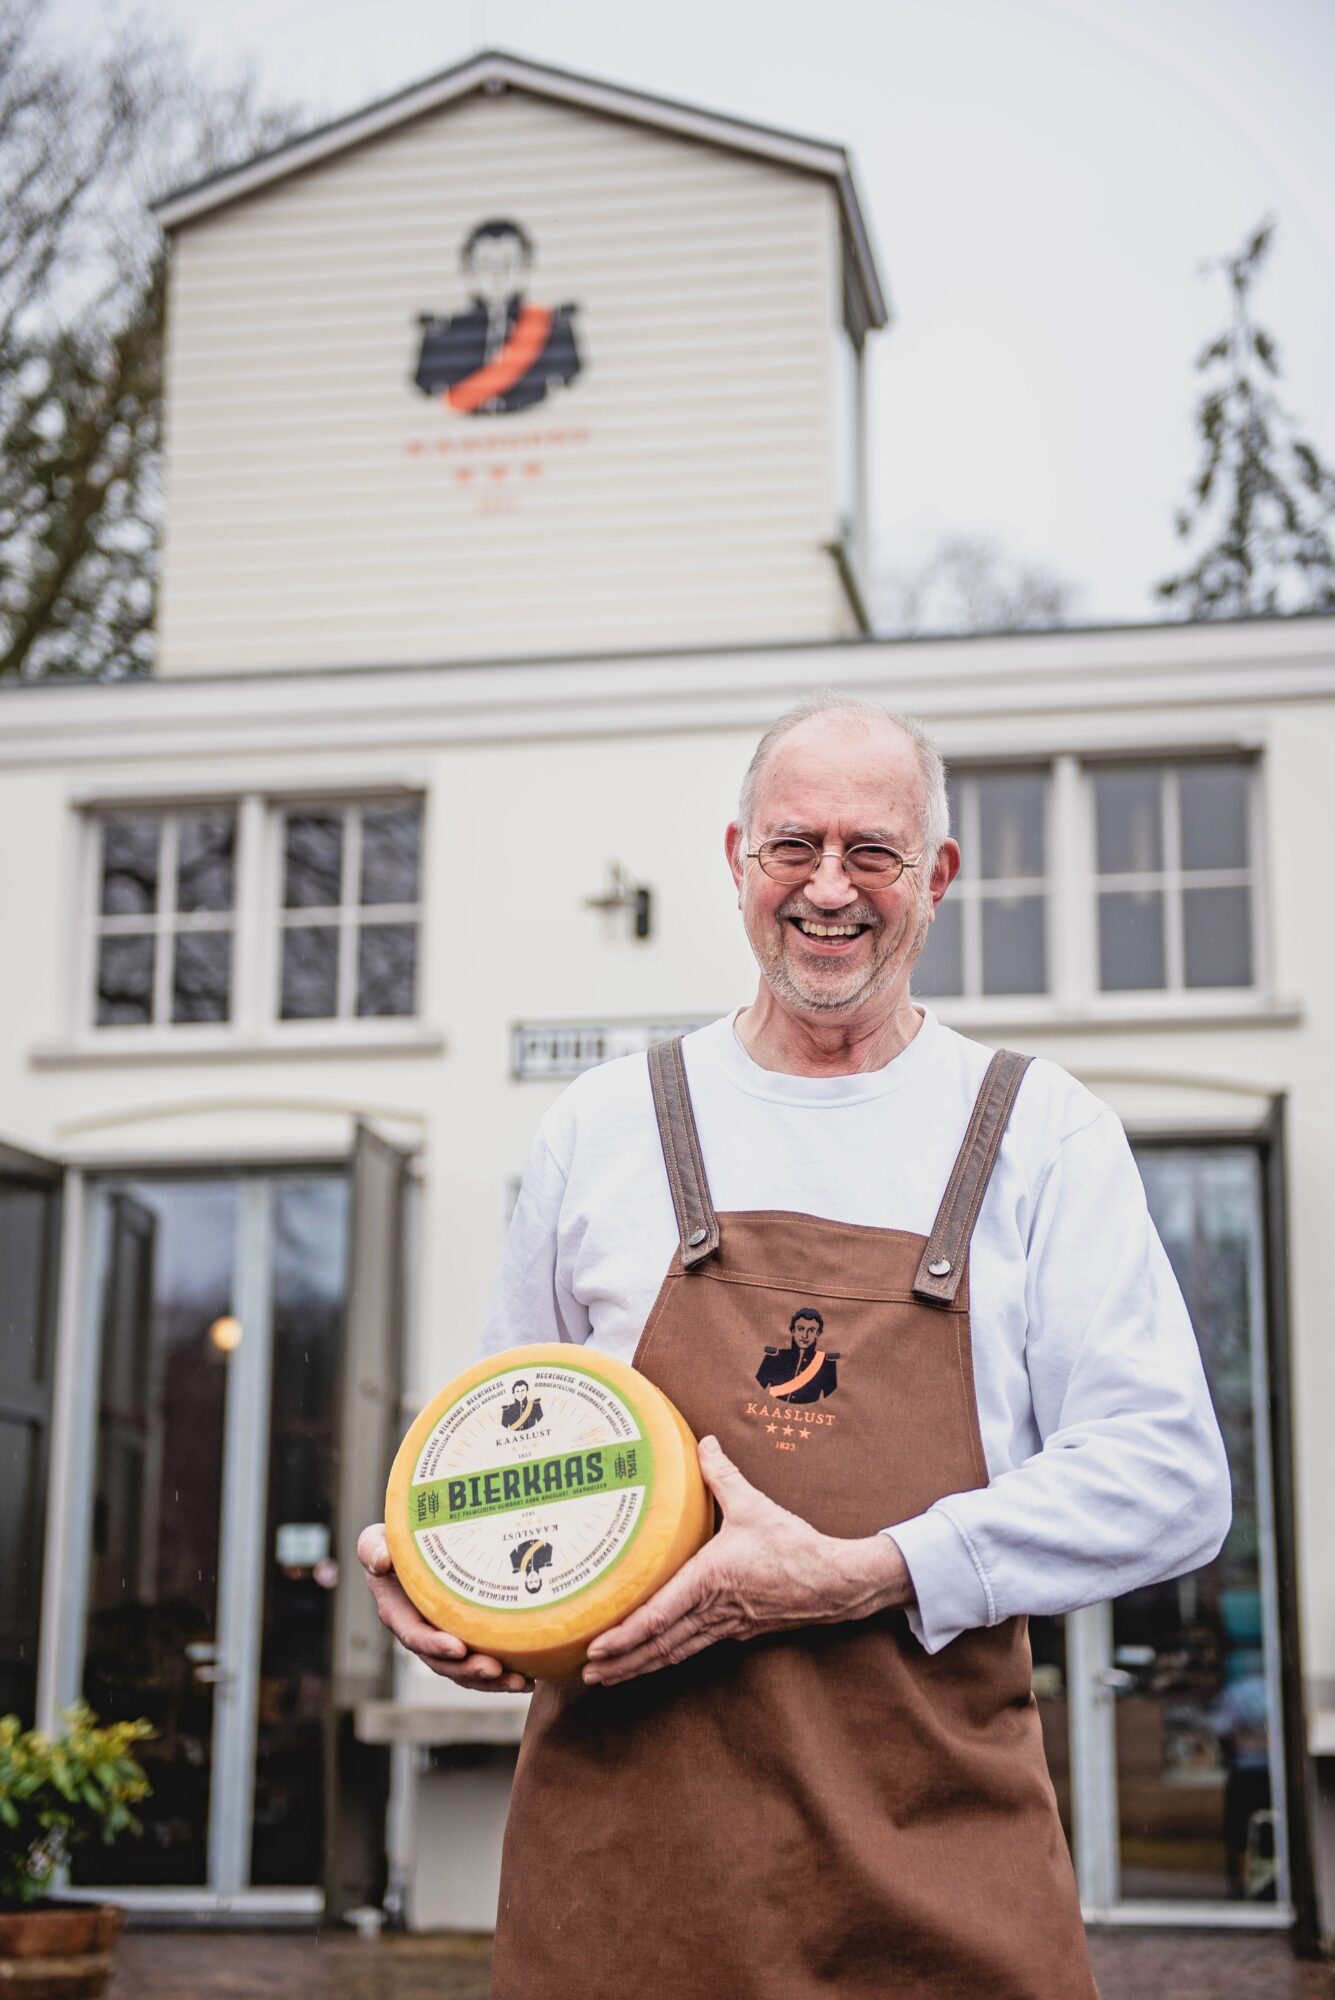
pixel 1093 1755
pixel 84 1252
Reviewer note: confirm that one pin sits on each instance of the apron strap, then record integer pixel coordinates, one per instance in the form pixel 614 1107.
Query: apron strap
pixel 697 1224
pixel 942 1264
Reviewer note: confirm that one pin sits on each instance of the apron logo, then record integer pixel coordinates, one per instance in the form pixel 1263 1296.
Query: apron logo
pixel 802 1371
pixel 524 1411
pixel 527 1559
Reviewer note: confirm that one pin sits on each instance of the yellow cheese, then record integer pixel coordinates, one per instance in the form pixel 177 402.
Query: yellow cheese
pixel 539 1499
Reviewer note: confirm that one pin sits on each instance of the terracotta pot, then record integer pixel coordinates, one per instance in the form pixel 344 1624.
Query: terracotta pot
pixel 60 1952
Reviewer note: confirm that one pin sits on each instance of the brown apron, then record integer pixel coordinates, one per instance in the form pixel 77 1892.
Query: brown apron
pixel 831 1811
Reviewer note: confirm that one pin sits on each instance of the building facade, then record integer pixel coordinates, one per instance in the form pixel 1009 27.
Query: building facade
pixel 515 481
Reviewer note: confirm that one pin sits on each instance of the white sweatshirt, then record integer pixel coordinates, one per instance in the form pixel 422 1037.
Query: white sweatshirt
pixel 1106 1466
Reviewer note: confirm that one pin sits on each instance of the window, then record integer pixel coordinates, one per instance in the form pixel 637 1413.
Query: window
pixel 250 913
pixel 350 911
pixel 990 934
pixel 1174 875
pixel 164 917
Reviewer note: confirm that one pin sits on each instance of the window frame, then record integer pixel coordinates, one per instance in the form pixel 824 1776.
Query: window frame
pixel 1171 880
pixel 350 916
pixel 973 890
pixel 254 1025
pixel 1074 998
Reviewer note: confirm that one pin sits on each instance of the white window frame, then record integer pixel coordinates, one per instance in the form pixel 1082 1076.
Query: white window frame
pixel 1171 880
pixel 253 1027
pixel 349 916
pixel 164 924
pixel 971 889
pixel 1074 998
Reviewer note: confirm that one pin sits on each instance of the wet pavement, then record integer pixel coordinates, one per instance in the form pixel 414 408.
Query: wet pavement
pixel 158 1965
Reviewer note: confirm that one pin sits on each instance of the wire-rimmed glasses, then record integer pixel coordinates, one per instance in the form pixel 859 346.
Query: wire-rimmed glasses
pixel 868 864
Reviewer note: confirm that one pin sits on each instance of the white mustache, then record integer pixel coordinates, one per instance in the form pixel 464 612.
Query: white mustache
pixel 857 914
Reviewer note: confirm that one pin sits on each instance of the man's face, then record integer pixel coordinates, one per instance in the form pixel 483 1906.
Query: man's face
pixel 826 949
pixel 496 268
pixel 804 1333
pixel 521 1391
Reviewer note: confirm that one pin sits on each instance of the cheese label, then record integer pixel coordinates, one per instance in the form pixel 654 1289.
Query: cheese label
pixel 530 1487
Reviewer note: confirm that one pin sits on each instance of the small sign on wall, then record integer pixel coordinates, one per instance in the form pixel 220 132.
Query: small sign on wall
pixel 567 1048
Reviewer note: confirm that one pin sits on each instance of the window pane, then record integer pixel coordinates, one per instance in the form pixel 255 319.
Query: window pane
pixel 130 865
pixel 386 969
pixel 1212 799
pixel 940 970
pixel 1131 947
pixel 27 1233
pixel 1126 805
pixel 20 1554
pixel 390 842
pixel 204 861
pixel 310 975
pixel 1010 827
pixel 1015 944
pixel 201 975
pixel 124 981
pixel 313 858
pixel 1216 937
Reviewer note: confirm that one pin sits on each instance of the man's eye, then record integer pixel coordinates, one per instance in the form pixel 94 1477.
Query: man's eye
pixel 787 847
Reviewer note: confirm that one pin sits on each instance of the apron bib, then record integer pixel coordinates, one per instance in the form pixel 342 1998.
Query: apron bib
pixel 832 1810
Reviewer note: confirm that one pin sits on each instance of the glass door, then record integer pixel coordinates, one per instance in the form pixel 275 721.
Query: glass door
pixel 1177 1741
pixel 219 1306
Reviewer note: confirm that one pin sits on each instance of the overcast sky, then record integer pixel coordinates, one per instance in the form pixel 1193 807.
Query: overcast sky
pixel 1043 180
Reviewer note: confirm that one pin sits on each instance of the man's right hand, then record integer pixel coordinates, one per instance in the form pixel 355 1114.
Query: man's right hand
pixel 440 1651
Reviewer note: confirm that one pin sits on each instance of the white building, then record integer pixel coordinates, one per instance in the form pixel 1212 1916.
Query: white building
pixel 466 626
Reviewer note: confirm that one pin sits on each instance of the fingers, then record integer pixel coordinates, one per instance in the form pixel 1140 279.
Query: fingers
pixel 729 1487
pixel 373 1550
pixel 675 1622
pixel 442 1652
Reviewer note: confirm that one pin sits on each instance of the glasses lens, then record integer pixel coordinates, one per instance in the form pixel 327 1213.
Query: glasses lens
pixel 787 860
pixel 871 864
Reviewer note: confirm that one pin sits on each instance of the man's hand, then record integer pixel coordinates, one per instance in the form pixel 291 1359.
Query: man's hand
pixel 440 1651
pixel 765 1571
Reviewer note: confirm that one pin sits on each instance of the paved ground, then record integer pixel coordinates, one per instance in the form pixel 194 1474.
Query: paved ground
pixel 155 1965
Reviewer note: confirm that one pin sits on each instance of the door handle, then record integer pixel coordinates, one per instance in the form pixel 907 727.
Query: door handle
pixel 214 1676
pixel 1117 1679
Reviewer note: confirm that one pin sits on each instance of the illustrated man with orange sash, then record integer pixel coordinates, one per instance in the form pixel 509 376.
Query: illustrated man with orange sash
pixel 803 1371
pixel 504 353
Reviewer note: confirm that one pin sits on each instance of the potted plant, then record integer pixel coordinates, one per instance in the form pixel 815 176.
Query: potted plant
pixel 56 1792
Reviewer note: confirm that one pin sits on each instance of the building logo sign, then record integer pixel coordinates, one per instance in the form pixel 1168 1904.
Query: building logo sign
pixel 504 352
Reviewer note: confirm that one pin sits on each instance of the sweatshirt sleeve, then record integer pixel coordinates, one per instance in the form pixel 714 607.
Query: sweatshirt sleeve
pixel 1131 1485
pixel 529 1302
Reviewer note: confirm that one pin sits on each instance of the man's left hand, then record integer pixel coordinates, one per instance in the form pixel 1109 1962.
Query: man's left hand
pixel 766 1570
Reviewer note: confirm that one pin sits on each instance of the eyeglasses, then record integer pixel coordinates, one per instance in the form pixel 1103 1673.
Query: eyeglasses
pixel 868 863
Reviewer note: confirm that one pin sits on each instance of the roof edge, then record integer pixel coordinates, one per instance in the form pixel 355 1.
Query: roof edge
pixel 495 69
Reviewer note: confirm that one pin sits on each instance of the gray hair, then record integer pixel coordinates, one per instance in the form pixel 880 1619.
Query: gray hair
pixel 935 822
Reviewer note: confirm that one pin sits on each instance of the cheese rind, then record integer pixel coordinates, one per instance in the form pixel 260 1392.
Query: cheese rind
pixel 540 1498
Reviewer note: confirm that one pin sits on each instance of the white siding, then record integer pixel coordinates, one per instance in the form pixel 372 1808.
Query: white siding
pixel 312 518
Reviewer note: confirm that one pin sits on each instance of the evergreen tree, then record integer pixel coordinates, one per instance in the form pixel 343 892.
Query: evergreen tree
pixel 1262 499
pixel 84 145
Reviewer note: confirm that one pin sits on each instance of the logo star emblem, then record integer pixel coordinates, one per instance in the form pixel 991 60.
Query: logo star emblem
pixel 787 1430
pixel 771 1428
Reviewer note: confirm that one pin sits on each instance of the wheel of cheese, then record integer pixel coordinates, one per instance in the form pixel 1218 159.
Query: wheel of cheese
pixel 539 1499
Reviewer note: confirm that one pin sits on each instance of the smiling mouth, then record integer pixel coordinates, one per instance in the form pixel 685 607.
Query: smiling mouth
pixel 814 930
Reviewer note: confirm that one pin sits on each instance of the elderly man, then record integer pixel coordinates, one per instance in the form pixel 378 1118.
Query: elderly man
pixel 811 1764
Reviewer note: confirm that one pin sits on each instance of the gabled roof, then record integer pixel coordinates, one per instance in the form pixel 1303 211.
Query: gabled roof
pixel 491 71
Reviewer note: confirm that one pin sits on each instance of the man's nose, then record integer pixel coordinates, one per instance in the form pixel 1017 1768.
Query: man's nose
pixel 829 885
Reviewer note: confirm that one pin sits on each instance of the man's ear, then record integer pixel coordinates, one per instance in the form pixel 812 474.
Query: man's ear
pixel 734 846
pixel 946 869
